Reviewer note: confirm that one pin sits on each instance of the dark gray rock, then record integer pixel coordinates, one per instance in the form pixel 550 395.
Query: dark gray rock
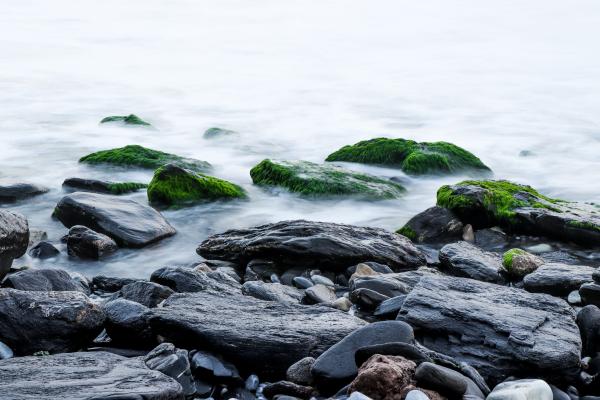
pixel 212 368
pixel 84 375
pixel 390 307
pixel 285 388
pixel 83 242
pixel 127 324
pixel 406 350
pixel 588 320
pixel 174 363
pixel 320 244
pixel 109 284
pixel 43 250
pixel 434 225
pixel 48 321
pixel 149 294
pixel 14 239
pixel 19 191
pixel 299 372
pixel 98 186
pixel 302 282
pixel 443 380
pixel 557 279
pixel 498 330
pixel 367 299
pixel 183 279
pixel 44 280
pixel 469 261
pixel 391 285
pixel 337 365
pixel 265 337
pixel 272 292
pixel 128 222
pixel 491 238
pixel 590 293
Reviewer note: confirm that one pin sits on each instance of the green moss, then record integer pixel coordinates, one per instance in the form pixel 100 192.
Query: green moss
pixel 142 157
pixel 130 119
pixel 125 187
pixel 507 258
pixel 408 232
pixel 173 185
pixel 214 132
pixel 314 180
pixel 448 199
pixel 412 157
pixel 584 225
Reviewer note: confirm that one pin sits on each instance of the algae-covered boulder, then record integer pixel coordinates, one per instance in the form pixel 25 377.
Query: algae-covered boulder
pixel 312 179
pixel 518 262
pixel 213 133
pixel 173 185
pixel 98 186
pixel 412 157
pixel 521 209
pixel 142 157
pixel 130 119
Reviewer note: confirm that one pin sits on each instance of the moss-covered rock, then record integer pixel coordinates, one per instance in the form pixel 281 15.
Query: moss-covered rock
pixel 317 180
pixel 142 157
pixel 518 263
pixel 98 186
pixel 213 133
pixel 130 119
pixel 173 185
pixel 412 157
pixel 520 209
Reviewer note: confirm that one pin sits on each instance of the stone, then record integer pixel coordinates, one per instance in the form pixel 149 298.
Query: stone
pixel 84 375
pixel 48 321
pixel 406 350
pixel 390 307
pixel 322 280
pixel 590 293
pixel 522 389
pixel 43 250
pixel 558 279
pixel 383 377
pixel 321 244
pixel 469 261
pixel 218 133
pixel 518 263
pixel 272 292
pixel 43 280
pixel 251 383
pixel 128 222
pixel 174 363
pixel 375 266
pixel 434 225
pixel 500 331
pixel 183 279
pixel 149 294
pixel 83 242
pixel 299 372
pixel 19 191
pixel 101 283
pixel 302 283
pixel 320 294
pixel 588 320
pixel 394 284
pixel 98 186
pixel 416 395
pixel 212 368
pixel 443 380
pixel 468 234
pixel 367 299
pixel 289 389
pixel 14 239
pixel 342 303
pixel 127 324
pixel 492 238
pixel 130 119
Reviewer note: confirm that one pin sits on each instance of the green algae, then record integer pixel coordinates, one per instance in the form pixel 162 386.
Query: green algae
pixel 507 258
pixel 130 119
pixel 125 187
pixel 584 225
pixel 408 232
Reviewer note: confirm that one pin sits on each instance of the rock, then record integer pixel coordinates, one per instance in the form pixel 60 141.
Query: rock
pixel 590 293
pixel 406 350
pixel 320 294
pixel 127 324
pixel 434 225
pixel 212 368
pixel 363 269
pixel 43 250
pixel 84 375
pixel 574 298
pixel 217 133
pixel 390 307
pixel 342 304
pixel 20 191
pixel 439 158
pixel 491 238
pixel 392 285
pixel 358 396
pixel 321 244
pixel 280 333
pixel 107 187
pixel 416 395
pixel 141 157
pixel 321 280
pixel 367 299
pixel 558 394
pixel 128 222
pixel 251 383
pixel 130 119
pixel 83 242
pixel 302 283
pixel 518 263
pixel 521 209
pixel 183 279
pixel 173 185
pixel 272 292
pixel 337 366
pixel 43 280
pixel 174 363
pixel 467 260
pixel 445 381
pixel 522 389
pixel 558 279
pixel 500 331
pixel 36 235
pixel 48 321
pixel 149 294
pixel 299 372
pixel 101 283
pixel 588 320
pixel 375 266
pixel 14 238
pixel 319 180
pixel 289 389
pixel 383 377
pixel 468 234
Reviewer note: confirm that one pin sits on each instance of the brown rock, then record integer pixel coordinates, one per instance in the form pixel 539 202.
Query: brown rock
pixel 384 377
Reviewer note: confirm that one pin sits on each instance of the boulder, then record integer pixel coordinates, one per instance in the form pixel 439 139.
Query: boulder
pixel 127 324
pixel 522 389
pixel 14 239
pixel 184 279
pixel 320 244
pixel 558 279
pixel 98 186
pixel 128 222
pixel 434 225
pixel 384 377
pixel 316 180
pixel 412 157
pixel 130 119
pixel 498 330
pixel 48 321
pixel 84 375
pixel 83 242
pixel 469 261
pixel 299 372
pixel 521 209
pixel 272 292
pixel 43 280
pixel 43 250
pixel 20 191
pixel 518 263
pixel 149 294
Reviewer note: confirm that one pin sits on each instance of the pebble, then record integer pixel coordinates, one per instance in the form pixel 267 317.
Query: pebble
pixel 320 279
pixel 302 283
pixel 416 395
pixel 252 383
pixel 539 248
pixel 343 304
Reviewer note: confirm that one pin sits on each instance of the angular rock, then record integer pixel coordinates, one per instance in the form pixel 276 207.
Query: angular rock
pixel 434 225
pixel 128 222
pixel 320 244
pixel 43 250
pixel 299 372
pixel 127 324
pixel 149 294
pixel 383 377
pixel 558 279
pixel 522 389
pixel 48 321
pixel 174 363
pixel 14 238
pixel 106 187
pixel 83 242
pixel 498 330
pixel 183 279
pixel 43 280
pixel 469 261
pixel 20 191
pixel 367 299
pixel 392 285
pixel 390 307
pixel 212 368
pixel 272 292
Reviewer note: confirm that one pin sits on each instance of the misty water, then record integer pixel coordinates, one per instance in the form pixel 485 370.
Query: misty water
pixel 297 80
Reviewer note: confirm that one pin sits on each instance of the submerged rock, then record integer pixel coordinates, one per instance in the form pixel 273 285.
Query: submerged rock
pixel 521 209
pixel 43 250
pixel 434 225
pixel 19 191
pixel 97 186
pixel 83 242
pixel 469 261
pixel 14 239
pixel 317 180
pixel 412 157
pixel 130 119
pixel 173 185
pixel 319 244
pixel 215 133
pixel 142 157
pixel 128 222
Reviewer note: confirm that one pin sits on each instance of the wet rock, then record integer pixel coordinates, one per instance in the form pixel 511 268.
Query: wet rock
pixel 43 250
pixel 109 284
pixel 342 304
pixel 128 222
pixel 443 380
pixel 84 375
pixel 522 389
pixel 183 279
pixel 44 280
pixel 127 324
pixel 337 366
pixel 320 294
pixel 20 191
pixel 498 330
pixel 491 238
pixel 390 307
pixel 272 292
pixel 48 321
pixel 558 279
pixel 289 389
pixel 321 244
pixel 434 225
pixel 392 285
pixel 588 320
pixel 211 368
pixel 590 293
pixel 375 266
pixel 280 333
pixel 83 242
pixel 107 187
pixel 518 263
pixel 149 294
pixel 466 260
pixel 174 363
pixel 14 238
pixel 302 282
pixel 367 299
pixel 574 298
pixel 406 350
pixel 251 383
pixel 416 395
pixel 299 372
pixel 383 377
pixel 322 280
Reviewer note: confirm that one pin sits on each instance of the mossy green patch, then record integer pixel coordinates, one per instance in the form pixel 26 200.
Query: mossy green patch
pixel 125 187
pixel 507 258
pixel 412 157
pixel 316 180
pixel 408 232
pixel 584 225
pixel 176 186
pixel 142 157
pixel 130 119
pixel 214 132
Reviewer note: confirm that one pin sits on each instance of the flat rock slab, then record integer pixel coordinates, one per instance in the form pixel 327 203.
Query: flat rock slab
pixel 85 376
pixel 498 330
pixel 265 337
pixel 558 279
pixel 318 244
pixel 19 191
pixel 128 222
pixel 469 261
